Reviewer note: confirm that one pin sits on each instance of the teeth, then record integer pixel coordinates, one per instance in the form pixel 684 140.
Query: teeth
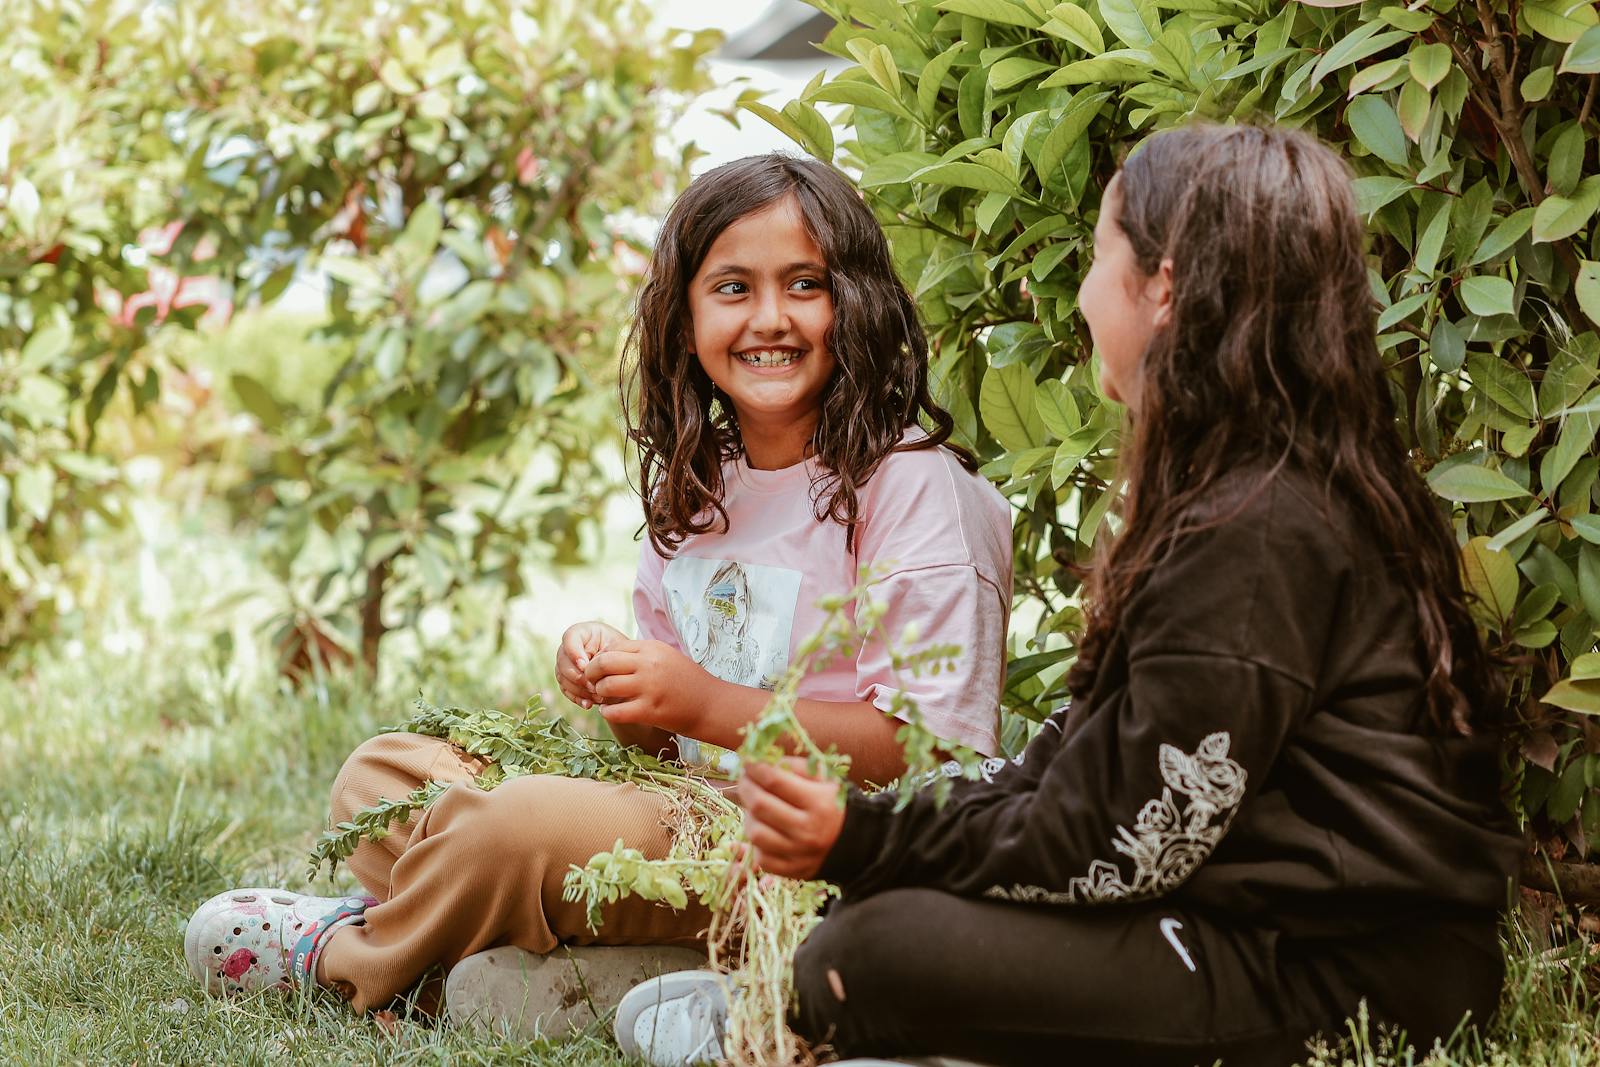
pixel 769 358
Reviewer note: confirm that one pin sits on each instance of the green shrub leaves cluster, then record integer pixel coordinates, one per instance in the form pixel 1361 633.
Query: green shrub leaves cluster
pixel 467 176
pixel 984 131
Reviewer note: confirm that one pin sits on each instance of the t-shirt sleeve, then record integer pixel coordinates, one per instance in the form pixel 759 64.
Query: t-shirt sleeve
pixel 948 604
pixel 650 614
pixel 938 539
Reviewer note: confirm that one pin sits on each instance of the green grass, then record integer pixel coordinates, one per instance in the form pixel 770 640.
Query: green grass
pixel 140 776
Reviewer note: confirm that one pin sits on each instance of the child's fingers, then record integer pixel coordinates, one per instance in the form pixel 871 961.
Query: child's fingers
pixel 619 659
pixel 770 844
pixel 768 809
pixel 787 785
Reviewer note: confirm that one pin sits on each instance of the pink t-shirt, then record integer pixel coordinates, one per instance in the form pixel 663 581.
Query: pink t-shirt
pixel 739 602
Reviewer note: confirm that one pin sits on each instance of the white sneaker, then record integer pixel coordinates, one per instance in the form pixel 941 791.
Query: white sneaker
pixel 675 1020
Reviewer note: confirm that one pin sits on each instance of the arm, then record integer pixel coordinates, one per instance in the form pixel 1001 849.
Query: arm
pixel 1224 644
pixel 651 686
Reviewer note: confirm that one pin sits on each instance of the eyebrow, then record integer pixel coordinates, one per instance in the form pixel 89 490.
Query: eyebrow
pixel 735 270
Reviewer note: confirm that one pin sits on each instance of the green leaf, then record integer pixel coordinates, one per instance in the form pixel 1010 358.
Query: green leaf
pixel 1072 23
pixel 860 94
pixel 258 401
pixel 1538 634
pixel 1487 295
pixel 1126 19
pixel 395 77
pixel 356 273
pixel 1587 289
pixel 1559 20
pixel 1374 192
pixel 1446 347
pixel 1402 19
pixel 1583 55
pixel 1377 74
pixel 1355 46
pixel 1006 402
pixel 966 176
pixel 1469 484
pixel 776 119
pixel 390 359
pixel 818 134
pixel 1572 444
pixel 1072 125
pixel 1377 128
pixel 1008 72
pixel 47 342
pixel 1588 528
pixel 1582 697
pixel 1537 85
pixel 1058 410
pixel 33 490
pixel 1589 579
pixel 931 82
pixel 1585 667
pixel 420 239
pixel 1502 382
pixel 1503 236
pixel 1528 522
pixel 1414 105
pixel 1491 576
pixel 1430 63
pixel 1001 11
pixel 1559 217
pixel 1566 159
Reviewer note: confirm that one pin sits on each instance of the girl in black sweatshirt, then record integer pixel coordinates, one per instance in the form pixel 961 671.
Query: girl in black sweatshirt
pixel 1275 793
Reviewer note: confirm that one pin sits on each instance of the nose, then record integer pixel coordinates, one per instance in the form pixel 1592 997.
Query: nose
pixel 769 316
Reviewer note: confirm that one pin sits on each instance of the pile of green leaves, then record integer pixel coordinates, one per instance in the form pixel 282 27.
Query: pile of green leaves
pixel 464 177
pixel 984 132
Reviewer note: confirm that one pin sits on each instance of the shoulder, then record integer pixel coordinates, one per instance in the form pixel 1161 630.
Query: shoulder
pixel 1257 570
pixel 930 472
pixel 921 505
pixel 1277 509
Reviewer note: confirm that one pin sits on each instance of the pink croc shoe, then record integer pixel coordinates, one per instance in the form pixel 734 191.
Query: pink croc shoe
pixel 250 939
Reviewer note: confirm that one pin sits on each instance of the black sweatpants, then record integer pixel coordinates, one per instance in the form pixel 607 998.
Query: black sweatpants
pixel 919 971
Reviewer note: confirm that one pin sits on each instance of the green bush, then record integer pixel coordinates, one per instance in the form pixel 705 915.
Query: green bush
pixel 466 174
pixel 984 131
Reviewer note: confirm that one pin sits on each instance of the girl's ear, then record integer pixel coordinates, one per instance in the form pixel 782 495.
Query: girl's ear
pixel 1158 290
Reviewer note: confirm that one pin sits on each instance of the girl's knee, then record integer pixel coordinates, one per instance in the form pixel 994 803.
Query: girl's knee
pixel 387 766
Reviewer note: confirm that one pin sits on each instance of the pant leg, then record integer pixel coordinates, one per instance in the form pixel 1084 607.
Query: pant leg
pixel 483 869
pixel 917 971
pixel 389 767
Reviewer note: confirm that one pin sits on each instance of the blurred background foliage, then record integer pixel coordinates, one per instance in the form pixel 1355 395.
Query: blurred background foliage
pixel 471 181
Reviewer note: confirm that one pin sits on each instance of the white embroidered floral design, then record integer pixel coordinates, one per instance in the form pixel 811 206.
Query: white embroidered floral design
pixel 1166 842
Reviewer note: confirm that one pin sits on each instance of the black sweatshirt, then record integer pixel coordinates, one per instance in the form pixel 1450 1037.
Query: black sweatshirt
pixel 1256 744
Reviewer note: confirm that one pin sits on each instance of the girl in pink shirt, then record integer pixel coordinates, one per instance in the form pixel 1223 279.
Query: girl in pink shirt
pixel 779 400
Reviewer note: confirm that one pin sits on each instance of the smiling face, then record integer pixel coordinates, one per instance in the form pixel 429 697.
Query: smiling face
pixel 1123 306
pixel 761 311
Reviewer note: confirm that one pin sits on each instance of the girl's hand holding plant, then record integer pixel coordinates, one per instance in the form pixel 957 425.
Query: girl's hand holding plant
pixel 650 683
pixel 580 644
pixel 790 819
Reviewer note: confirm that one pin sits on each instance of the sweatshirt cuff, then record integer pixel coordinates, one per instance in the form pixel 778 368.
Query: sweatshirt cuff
pixel 860 839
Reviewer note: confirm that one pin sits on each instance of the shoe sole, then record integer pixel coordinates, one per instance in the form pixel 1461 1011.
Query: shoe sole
pixel 664 988
pixel 526 995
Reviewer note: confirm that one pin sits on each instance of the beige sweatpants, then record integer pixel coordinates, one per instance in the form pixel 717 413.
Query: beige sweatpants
pixel 479 869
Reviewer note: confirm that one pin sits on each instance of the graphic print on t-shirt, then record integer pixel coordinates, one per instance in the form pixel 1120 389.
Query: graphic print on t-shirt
pixel 732 618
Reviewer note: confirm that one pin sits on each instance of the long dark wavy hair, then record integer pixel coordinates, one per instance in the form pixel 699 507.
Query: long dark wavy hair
pixel 1270 357
pixel 685 430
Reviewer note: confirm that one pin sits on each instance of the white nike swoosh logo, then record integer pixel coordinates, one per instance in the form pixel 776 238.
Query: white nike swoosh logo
pixel 1169 928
